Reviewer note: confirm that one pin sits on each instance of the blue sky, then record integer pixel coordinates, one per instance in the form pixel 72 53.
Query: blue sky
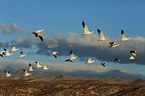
pixel 65 17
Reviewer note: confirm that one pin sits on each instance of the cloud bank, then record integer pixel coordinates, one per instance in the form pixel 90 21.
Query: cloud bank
pixel 86 46
pixel 73 69
pixel 11 28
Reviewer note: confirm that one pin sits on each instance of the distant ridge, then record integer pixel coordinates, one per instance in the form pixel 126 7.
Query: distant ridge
pixel 19 75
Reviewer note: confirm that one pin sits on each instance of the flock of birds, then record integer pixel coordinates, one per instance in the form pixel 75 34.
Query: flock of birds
pixel 72 56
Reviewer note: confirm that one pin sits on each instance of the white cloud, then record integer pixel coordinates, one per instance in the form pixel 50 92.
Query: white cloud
pixel 78 69
pixel 11 28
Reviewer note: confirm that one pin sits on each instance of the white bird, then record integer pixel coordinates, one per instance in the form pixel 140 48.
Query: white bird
pixel 89 61
pixel 26 72
pixel 54 54
pixel 14 49
pixel 2 53
pixel 133 52
pixel 21 54
pixel 38 64
pixel 86 31
pixel 103 64
pixel 38 33
pixel 112 44
pixel 102 37
pixel 124 38
pixel 132 57
pixel 45 67
pixel 30 67
pixel 7 73
pixel 7 53
pixel 72 57
pixel 116 60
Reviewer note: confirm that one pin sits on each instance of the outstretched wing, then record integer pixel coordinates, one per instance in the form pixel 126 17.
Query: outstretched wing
pixel 123 34
pixel 101 34
pixel 40 36
pixel 85 27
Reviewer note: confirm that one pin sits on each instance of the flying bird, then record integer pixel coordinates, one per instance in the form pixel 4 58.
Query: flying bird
pixel 38 64
pixel 26 73
pixel 45 67
pixel 2 53
pixel 72 57
pixel 14 49
pixel 39 34
pixel 112 44
pixel 89 61
pixel 133 52
pixel 21 54
pixel 102 37
pixel 124 38
pixel 7 53
pixel 54 54
pixel 30 67
pixel 7 73
pixel 116 60
pixel 86 30
pixel 103 64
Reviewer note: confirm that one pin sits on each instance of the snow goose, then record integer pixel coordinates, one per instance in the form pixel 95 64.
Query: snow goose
pixel 26 72
pixel 72 57
pixel 54 54
pixel 7 53
pixel 86 31
pixel 45 67
pixel 116 60
pixel 14 49
pixel 30 67
pixel 133 52
pixel 7 73
pixel 38 64
pixel 89 61
pixel 103 64
pixel 2 53
pixel 21 54
pixel 112 44
pixel 124 38
pixel 102 37
pixel 38 33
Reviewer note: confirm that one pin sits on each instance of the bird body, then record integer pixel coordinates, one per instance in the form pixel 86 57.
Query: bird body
pixel 26 73
pixel 30 67
pixel 14 49
pixel 39 34
pixel 7 53
pixel 21 54
pixel 7 73
pixel 54 54
pixel 103 64
pixel 45 67
pixel 2 53
pixel 102 37
pixel 72 57
pixel 89 61
pixel 133 52
pixel 112 44
pixel 116 60
pixel 124 38
pixel 86 30
pixel 38 64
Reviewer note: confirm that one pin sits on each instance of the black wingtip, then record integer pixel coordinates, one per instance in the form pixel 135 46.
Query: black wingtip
pixel 98 30
pixel 122 31
pixel 23 69
pixel 29 64
pixel 5 71
pixel 5 49
pixel 83 23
